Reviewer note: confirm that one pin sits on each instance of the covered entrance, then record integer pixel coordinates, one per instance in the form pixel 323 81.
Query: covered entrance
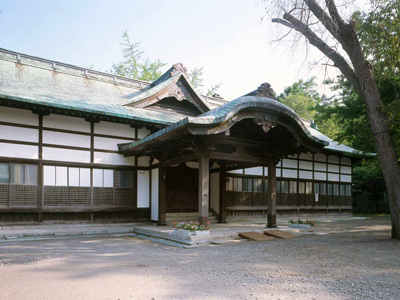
pixel 251 131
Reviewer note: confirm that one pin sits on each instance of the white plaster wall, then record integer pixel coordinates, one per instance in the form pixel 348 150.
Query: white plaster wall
pixel 333 159
pixel 19 151
pixel 319 157
pixel 319 176
pixel 66 122
pixel 73 177
pixel 49 175
pixel 143 188
pixel 18 116
pixel 144 161
pixel 278 172
pixel 142 132
pixel 307 156
pixel 154 194
pixel 108 143
pixel 305 175
pixel 84 178
pixel 333 177
pixel 61 176
pixel 98 177
pixel 265 171
pixel 289 173
pixel 66 139
pixel 254 171
pixel 19 134
pixel 345 178
pixel 214 191
pixel 239 171
pixel 346 170
pixel 108 178
pixel 69 155
pixel 319 167
pixel 289 163
pixel 345 161
pixel 305 165
pixel 113 159
pixel 333 168
pixel 115 129
pixel 279 163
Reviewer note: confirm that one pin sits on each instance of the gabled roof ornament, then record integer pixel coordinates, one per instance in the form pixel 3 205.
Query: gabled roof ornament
pixel 178 67
pixel 264 90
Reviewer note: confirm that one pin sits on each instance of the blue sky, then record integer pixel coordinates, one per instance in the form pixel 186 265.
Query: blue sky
pixel 227 38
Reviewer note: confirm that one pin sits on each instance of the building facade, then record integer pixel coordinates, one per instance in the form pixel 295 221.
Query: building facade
pixel 77 144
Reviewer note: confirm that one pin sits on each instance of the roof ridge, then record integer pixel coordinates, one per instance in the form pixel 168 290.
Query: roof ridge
pixel 16 56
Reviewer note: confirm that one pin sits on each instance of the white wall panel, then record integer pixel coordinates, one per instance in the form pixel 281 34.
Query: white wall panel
pixel 319 157
pixel 18 116
pixel 307 156
pixel 98 177
pixel 49 175
pixel 279 163
pixel 333 159
pixel 19 151
pixel 305 175
pixel 113 159
pixel 345 161
pixel 319 167
pixel 65 122
pixel 142 132
pixel 289 173
pixel 319 176
pixel 84 178
pixel 143 188
pixel 66 139
pixel 154 194
pixel 278 172
pixel 108 178
pixel 305 165
pixel 115 129
pixel 239 171
pixel 290 163
pixel 333 168
pixel 19 134
pixel 333 177
pixel 266 171
pixel 345 178
pixel 108 143
pixel 144 161
pixel 214 191
pixel 345 169
pixel 73 177
pixel 69 155
pixel 254 171
pixel 61 176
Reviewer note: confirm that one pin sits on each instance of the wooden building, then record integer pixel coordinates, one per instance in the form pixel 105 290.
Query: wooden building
pixel 78 144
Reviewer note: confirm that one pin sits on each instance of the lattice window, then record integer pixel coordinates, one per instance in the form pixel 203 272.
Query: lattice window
pixel 78 196
pixel 123 197
pixel 102 196
pixel 23 195
pixel 4 194
pixel 55 196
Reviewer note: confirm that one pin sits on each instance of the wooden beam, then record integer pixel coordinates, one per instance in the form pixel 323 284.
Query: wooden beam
pixel 271 195
pixel 178 160
pixel 204 188
pixel 239 158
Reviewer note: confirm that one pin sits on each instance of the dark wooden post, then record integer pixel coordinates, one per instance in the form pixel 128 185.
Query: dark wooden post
pixel 204 188
pixel 162 196
pixel 222 195
pixel 271 195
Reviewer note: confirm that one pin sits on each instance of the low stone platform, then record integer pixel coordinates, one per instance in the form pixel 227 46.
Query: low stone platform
pixel 255 236
pixel 279 234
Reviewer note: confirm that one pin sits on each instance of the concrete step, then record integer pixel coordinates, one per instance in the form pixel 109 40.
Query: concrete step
pixel 187 217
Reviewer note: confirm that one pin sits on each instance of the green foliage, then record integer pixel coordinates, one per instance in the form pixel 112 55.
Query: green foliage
pixel 213 89
pixel 133 66
pixel 302 97
pixel 196 77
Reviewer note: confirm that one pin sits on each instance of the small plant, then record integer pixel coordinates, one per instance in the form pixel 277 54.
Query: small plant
pixel 300 221
pixel 191 226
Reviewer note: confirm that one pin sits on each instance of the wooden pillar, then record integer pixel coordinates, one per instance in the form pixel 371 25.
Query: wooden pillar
pixel 204 188
pixel 271 195
pixel 222 196
pixel 40 181
pixel 162 196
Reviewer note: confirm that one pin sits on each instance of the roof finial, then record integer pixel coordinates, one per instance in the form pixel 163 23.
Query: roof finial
pixel 264 90
pixel 178 67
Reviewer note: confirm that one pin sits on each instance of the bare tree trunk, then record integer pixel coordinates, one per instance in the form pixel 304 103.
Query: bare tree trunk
pixel 361 76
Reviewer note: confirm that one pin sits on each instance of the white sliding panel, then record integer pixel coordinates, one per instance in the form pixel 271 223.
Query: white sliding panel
pixel 50 153
pixel 66 139
pixel 19 151
pixel 143 188
pixel 19 134
pixel 18 116
pixel 254 171
pixel 66 122
pixel 113 159
pixel 114 129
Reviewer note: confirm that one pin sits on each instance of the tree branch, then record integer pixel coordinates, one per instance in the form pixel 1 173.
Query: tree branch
pixel 339 61
pixel 323 17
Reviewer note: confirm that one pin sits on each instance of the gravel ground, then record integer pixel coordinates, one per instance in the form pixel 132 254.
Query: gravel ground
pixel 350 260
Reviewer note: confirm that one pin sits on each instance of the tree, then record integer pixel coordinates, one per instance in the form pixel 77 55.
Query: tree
pixel 133 66
pixel 302 97
pixel 307 17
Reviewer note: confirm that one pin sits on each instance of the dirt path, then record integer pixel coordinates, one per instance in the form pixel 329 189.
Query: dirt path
pixel 352 260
